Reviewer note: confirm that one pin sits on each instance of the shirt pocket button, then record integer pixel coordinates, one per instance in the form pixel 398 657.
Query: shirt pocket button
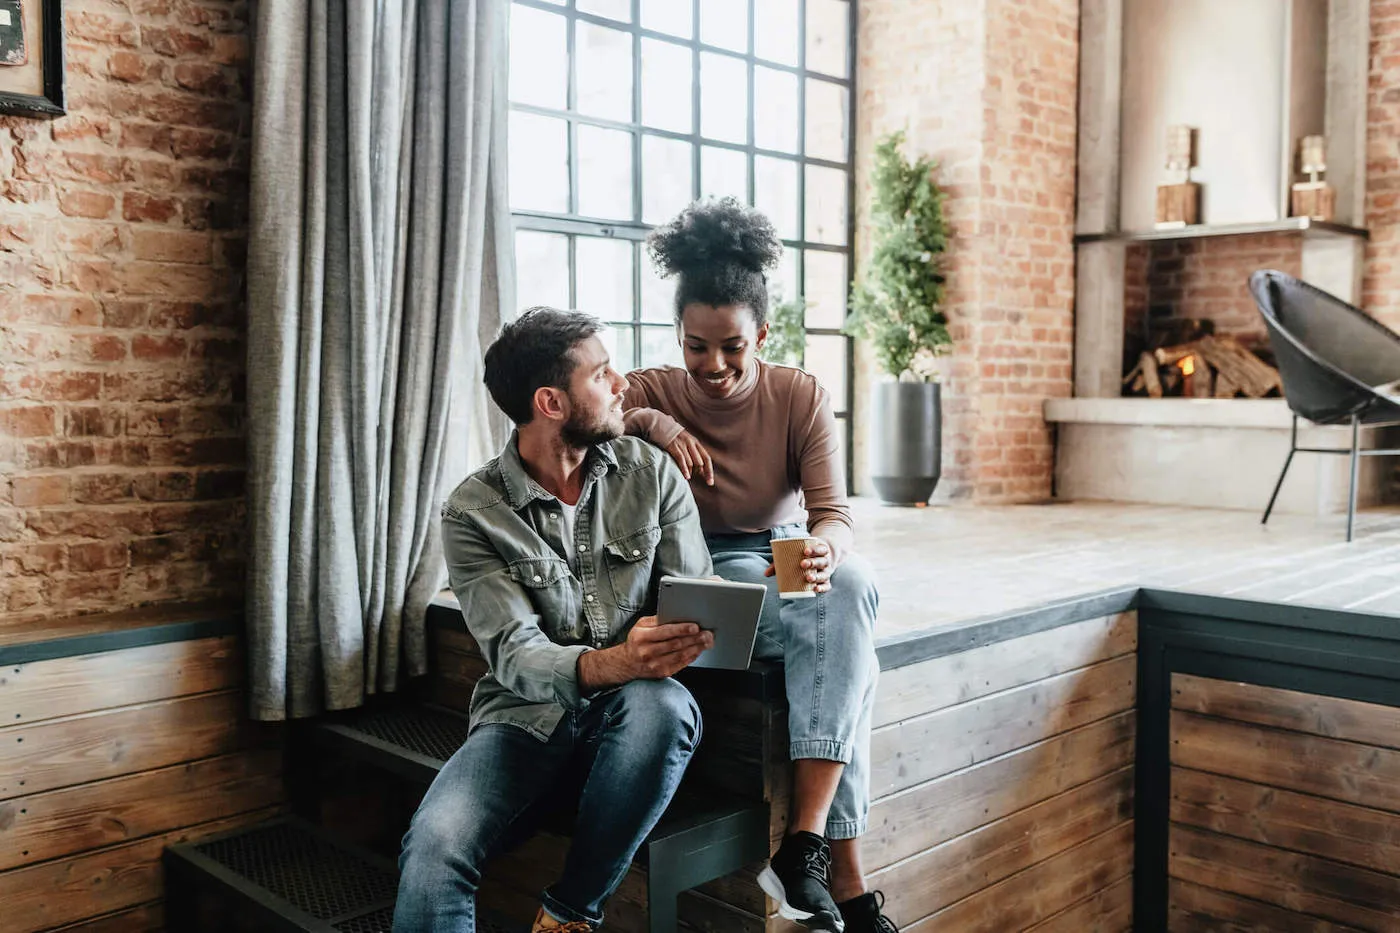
pixel 538 578
pixel 636 553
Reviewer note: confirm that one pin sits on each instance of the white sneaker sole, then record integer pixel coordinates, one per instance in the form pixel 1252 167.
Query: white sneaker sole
pixel 772 885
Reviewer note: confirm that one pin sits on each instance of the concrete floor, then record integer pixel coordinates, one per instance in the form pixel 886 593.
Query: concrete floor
pixel 942 566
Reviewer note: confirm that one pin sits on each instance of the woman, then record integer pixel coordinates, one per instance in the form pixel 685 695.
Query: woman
pixel 758 441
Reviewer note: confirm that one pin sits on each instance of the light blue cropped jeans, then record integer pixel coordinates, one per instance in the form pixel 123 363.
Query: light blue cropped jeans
pixel 827 647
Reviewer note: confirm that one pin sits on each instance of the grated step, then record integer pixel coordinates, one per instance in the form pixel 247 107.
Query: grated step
pixel 289 870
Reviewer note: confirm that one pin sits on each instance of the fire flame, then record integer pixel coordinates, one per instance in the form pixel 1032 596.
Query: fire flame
pixel 1188 365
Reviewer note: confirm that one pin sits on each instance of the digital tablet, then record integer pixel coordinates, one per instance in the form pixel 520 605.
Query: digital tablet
pixel 730 610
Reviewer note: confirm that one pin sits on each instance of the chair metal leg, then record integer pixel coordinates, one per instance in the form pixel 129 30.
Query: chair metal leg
pixel 1292 449
pixel 1355 471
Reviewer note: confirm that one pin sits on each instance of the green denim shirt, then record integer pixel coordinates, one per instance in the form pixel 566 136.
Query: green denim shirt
pixel 530 613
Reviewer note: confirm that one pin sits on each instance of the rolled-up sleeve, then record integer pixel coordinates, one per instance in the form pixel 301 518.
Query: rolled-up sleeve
pixel 682 551
pixel 642 420
pixel 500 617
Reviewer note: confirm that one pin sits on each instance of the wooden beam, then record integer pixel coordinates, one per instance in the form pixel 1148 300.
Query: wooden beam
pixel 1194 908
pixel 1332 717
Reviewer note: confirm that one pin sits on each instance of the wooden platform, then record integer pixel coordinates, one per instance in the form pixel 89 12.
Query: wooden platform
pixel 942 568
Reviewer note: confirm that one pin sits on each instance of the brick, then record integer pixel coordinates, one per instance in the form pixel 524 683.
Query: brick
pixel 34 421
pixel 93 421
pixel 93 204
pixel 172 246
pixel 31 491
pixel 126 66
pixel 102 487
pixel 98 555
pixel 203 78
pixel 138 206
pixel 148 347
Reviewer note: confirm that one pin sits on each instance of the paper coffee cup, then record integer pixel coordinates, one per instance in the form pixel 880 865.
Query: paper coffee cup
pixel 788 554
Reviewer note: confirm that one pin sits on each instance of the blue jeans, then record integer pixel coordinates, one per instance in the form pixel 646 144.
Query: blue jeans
pixel 628 749
pixel 827 646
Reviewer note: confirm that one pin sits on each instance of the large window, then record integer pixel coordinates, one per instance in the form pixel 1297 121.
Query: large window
pixel 623 111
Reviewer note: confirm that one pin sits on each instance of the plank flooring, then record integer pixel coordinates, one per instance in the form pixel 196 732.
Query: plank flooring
pixel 944 566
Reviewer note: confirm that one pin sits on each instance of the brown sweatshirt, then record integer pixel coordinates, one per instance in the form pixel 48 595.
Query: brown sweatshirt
pixel 773 443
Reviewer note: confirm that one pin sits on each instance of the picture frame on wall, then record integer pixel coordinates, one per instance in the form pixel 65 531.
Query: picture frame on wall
pixel 31 58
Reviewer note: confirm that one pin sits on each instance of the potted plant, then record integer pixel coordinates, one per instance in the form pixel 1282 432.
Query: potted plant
pixel 896 305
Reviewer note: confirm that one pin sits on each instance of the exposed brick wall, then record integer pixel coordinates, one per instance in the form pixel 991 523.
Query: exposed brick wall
pixel 988 87
pixel 1207 279
pixel 1380 291
pixel 122 242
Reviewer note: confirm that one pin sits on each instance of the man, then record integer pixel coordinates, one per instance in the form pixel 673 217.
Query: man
pixel 553 550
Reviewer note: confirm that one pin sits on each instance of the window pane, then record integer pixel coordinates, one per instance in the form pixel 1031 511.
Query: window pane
pixel 725 23
pixel 612 9
pixel 660 347
pixel 724 98
pixel 539 163
pixel 775 193
pixel 666 178
pixel 620 340
pixel 604 173
pixel 825 288
pixel 667 74
pixel 668 16
pixel 775 31
pixel 538 58
pixel 724 172
pixel 827 40
pixel 604 277
pixel 658 294
pixel 826 359
pixel 604 71
pixel 828 112
pixel 541 269
pixel 775 109
pixel 782 281
pixel 826 205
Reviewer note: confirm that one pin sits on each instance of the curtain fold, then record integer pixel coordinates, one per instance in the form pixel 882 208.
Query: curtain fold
pixel 379 262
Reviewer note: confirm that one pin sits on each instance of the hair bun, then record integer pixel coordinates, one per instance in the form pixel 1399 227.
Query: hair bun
pixel 715 232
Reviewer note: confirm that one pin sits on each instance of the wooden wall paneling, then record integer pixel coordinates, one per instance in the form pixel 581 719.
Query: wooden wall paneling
pixel 906 823
pixel 925 747
pixel 928 686
pixel 947 873
pixel 49 689
pixel 62 891
pixel 93 746
pixel 1340 831
pixel 1333 717
pixel 147 918
pixel 1197 909
pixel 1303 883
pixel 1039 892
pixel 1107 911
pixel 1356 773
pixel 454 677
pixel 63 822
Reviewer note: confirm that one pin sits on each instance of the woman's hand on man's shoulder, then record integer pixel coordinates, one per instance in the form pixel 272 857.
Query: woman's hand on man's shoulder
pixel 692 457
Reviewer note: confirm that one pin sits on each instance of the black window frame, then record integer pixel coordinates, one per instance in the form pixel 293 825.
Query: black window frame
pixel 635 230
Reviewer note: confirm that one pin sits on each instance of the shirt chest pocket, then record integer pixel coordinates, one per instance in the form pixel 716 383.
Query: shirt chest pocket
pixel 629 560
pixel 552 593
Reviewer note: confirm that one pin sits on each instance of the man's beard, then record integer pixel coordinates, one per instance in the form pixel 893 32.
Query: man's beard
pixel 579 432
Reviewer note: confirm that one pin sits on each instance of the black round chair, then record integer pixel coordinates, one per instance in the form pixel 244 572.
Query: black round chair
pixel 1331 357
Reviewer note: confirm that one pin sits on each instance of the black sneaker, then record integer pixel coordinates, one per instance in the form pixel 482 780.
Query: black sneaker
pixel 864 914
pixel 797 878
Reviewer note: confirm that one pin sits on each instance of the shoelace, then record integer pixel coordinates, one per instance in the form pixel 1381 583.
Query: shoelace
pixel 817 863
pixel 883 924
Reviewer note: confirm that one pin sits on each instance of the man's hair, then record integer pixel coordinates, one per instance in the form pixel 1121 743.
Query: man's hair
pixel 532 352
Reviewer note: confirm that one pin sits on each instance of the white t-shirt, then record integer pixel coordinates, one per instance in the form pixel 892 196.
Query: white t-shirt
pixel 569 511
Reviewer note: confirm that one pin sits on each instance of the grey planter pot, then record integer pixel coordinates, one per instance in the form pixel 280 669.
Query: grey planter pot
pixel 906 441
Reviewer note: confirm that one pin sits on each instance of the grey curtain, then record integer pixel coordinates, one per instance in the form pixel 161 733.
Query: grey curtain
pixel 378 262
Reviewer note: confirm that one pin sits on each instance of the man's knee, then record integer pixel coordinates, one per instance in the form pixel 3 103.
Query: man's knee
pixel 662 709
pixel 440 845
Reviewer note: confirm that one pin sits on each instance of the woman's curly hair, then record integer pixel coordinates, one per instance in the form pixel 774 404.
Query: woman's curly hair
pixel 718 250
